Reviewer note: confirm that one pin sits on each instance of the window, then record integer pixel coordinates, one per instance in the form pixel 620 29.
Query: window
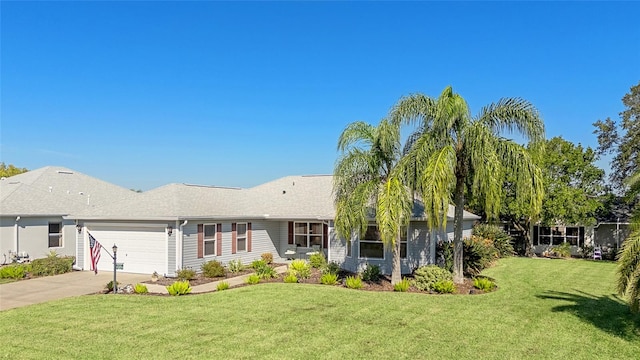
pixel 55 235
pixel 209 239
pixel 307 234
pixel 241 236
pixel 404 233
pixel 557 235
pixel 349 246
pixel 371 246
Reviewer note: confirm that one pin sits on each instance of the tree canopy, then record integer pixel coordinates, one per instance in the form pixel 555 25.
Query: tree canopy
pixel 10 170
pixel 622 139
pixel 453 153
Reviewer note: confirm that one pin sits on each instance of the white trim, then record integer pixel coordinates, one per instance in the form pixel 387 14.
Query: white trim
pixel 61 235
pixel 125 224
pixel 215 240
pixel 246 237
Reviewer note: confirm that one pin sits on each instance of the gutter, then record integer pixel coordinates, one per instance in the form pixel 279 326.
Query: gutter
pixel 179 242
pixel 16 228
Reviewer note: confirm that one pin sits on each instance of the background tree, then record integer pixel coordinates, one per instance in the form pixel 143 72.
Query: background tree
pixel 10 170
pixel 622 140
pixel 453 153
pixel 368 183
pixel 573 183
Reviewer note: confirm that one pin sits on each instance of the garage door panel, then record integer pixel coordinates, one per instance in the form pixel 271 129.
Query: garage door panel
pixel 142 250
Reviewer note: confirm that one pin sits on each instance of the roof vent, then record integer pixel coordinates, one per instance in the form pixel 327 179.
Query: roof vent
pixel 50 188
pixel 64 172
pixel 3 178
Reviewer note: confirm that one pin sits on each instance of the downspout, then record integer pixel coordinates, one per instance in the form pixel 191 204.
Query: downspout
pixel 15 234
pixel 179 242
pixel 328 223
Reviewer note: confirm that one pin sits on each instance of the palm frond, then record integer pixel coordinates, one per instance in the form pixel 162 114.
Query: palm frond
pixel 486 167
pixel 411 109
pixel 356 132
pixel 436 181
pixel 628 270
pixel 513 115
pixel 393 209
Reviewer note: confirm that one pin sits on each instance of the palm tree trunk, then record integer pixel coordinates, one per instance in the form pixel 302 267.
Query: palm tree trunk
pixel 458 255
pixel 396 271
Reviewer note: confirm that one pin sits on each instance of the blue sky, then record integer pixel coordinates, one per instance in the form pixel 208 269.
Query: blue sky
pixel 142 94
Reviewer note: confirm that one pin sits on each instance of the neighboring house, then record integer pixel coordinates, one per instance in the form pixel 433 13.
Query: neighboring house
pixel 180 225
pixel 34 209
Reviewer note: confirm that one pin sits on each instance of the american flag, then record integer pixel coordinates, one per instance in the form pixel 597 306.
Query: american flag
pixel 94 250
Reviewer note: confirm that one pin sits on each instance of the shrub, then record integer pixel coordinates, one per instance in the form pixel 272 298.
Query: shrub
pixel 258 264
pixel 213 269
pixel 291 278
pixel 329 279
pixel 300 268
pixel 179 288
pixel 235 266
pixel 110 285
pixel 353 282
pixel 444 287
pixel 483 284
pixel 317 261
pixel 331 268
pixel 223 285
pixel 253 279
pixel 501 241
pixel 52 265
pixel 563 250
pixel 186 274
pixel 267 257
pixel 426 277
pixel 402 286
pixel 478 254
pixel 140 289
pixel 15 271
pixel 263 270
pixel 371 273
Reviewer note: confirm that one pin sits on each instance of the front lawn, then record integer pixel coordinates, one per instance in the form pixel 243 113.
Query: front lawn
pixel 543 309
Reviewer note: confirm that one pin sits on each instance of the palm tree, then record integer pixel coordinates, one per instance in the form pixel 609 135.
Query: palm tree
pixel 454 154
pixel 368 181
pixel 629 258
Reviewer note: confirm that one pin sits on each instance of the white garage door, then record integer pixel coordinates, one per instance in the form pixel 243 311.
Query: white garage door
pixel 142 250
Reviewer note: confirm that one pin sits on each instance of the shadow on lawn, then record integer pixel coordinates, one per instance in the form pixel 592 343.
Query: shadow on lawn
pixel 608 312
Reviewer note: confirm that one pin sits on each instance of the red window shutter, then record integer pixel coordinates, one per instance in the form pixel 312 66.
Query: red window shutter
pixel 249 237
pixel 325 236
pixel 200 241
pixel 219 240
pixel 234 238
pixel 290 232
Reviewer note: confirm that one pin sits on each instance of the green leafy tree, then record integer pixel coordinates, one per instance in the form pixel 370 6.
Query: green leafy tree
pixel 10 170
pixel 573 183
pixel 622 140
pixel 453 153
pixel 629 257
pixel 368 182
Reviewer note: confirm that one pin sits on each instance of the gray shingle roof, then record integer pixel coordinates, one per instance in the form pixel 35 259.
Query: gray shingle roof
pixel 60 191
pixel 55 190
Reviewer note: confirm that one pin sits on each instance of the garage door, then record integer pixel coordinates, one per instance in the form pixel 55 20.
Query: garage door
pixel 142 250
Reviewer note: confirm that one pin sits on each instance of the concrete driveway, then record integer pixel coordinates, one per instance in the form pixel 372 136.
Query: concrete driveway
pixel 35 291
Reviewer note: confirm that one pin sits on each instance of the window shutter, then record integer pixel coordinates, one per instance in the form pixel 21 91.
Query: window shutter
pixel 219 240
pixel 234 238
pixel 249 237
pixel 325 236
pixel 200 241
pixel 290 232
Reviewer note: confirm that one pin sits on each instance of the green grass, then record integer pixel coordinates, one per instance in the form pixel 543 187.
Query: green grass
pixel 542 309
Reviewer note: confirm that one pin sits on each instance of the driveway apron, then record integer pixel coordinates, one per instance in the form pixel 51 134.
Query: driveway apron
pixel 48 288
